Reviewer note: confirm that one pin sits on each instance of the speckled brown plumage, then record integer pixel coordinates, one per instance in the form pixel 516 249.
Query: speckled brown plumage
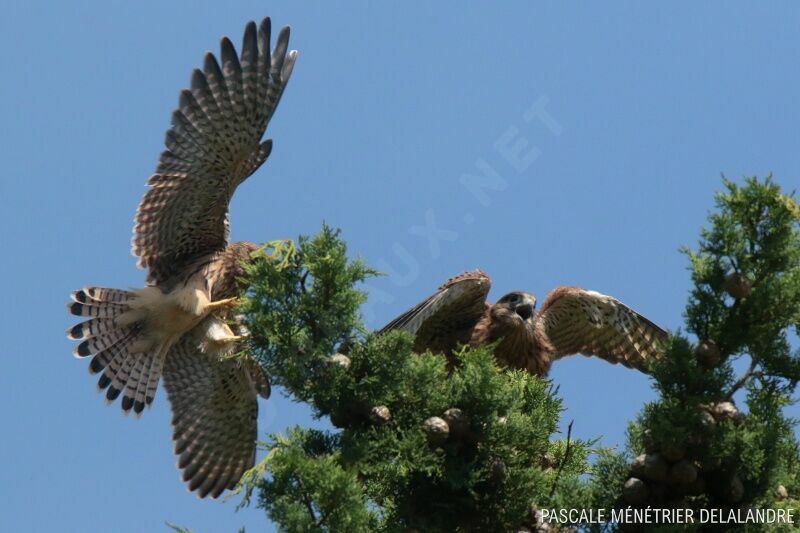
pixel 179 323
pixel 214 144
pixel 447 318
pixel 214 412
pixel 223 270
pixel 571 321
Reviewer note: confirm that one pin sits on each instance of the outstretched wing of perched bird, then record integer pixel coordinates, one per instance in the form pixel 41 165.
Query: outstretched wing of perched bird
pixel 571 321
pixel 445 319
pixel 214 412
pixel 577 321
pixel 213 145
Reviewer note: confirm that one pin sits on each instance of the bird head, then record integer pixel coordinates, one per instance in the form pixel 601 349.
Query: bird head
pixel 515 308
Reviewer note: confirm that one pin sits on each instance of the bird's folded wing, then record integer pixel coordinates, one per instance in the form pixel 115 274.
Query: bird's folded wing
pixel 211 147
pixel 441 318
pixel 214 412
pixel 577 321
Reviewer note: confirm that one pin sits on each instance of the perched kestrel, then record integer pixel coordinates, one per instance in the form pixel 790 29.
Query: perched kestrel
pixel 571 321
pixel 176 324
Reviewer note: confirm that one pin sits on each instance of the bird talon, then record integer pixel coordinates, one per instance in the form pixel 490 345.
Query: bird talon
pixel 221 304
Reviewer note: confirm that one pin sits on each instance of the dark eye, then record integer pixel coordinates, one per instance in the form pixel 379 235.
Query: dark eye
pixel 514 298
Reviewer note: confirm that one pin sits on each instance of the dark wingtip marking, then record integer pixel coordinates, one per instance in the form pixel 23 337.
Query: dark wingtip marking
pixel 183 461
pixel 226 47
pixel 198 79
pixel 82 350
pixel 180 447
pixel 75 332
pixel 266 25
pixel 190 469
pixel 210 65
pixel 76 308
pixel 250 36
pixel 178 113
pixel 184 100
pixel 127 403
pixel 138 407
pixel 197 482
pixel 104 382
pixel 79 296
pixel 95 366
pixel 112 394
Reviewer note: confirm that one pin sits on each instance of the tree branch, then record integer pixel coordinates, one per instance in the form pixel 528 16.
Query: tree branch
pixel 307 501
pixel 742 379
pixel 563 459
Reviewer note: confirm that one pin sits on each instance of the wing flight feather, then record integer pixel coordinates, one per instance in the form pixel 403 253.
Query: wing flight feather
pixel 440 321
pixel 577 321
pixel 213 145
pixel 214 412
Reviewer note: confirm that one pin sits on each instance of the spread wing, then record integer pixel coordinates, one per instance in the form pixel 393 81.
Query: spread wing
pixel 576 321
pixel 212 146
pixel 214 412
pixel 447 317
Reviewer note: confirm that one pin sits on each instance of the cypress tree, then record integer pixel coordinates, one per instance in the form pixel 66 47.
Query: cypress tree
pixel 420 446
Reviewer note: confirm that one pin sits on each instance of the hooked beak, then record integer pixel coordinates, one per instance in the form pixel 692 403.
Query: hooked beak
pixel 525 308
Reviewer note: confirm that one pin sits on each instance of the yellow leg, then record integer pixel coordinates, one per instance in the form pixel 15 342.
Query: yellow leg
pixel 220 304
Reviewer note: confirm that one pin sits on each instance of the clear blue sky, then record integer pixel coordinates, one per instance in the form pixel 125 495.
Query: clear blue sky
pixel 389 106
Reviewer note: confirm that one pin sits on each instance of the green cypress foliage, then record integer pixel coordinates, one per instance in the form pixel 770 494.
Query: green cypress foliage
pixel 419 446
pixel 715 438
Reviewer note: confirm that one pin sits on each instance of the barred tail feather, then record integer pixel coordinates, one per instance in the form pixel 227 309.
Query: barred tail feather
pixel 91 328
pixel 132 374
pixel 95 345
pixel 116 375
pixel 154 377
pixel 99 302
pixel 121 354
pixel 129 388
pixel 141 387
pixel 102 295
pixel 117 353
pixel 96 311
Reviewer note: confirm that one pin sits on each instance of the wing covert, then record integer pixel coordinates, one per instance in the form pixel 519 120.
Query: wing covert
pixel 575 320
pixel 442 320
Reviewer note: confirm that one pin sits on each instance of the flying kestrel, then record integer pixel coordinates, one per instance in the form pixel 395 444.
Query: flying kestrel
pixel 176 325
pixel 571 321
